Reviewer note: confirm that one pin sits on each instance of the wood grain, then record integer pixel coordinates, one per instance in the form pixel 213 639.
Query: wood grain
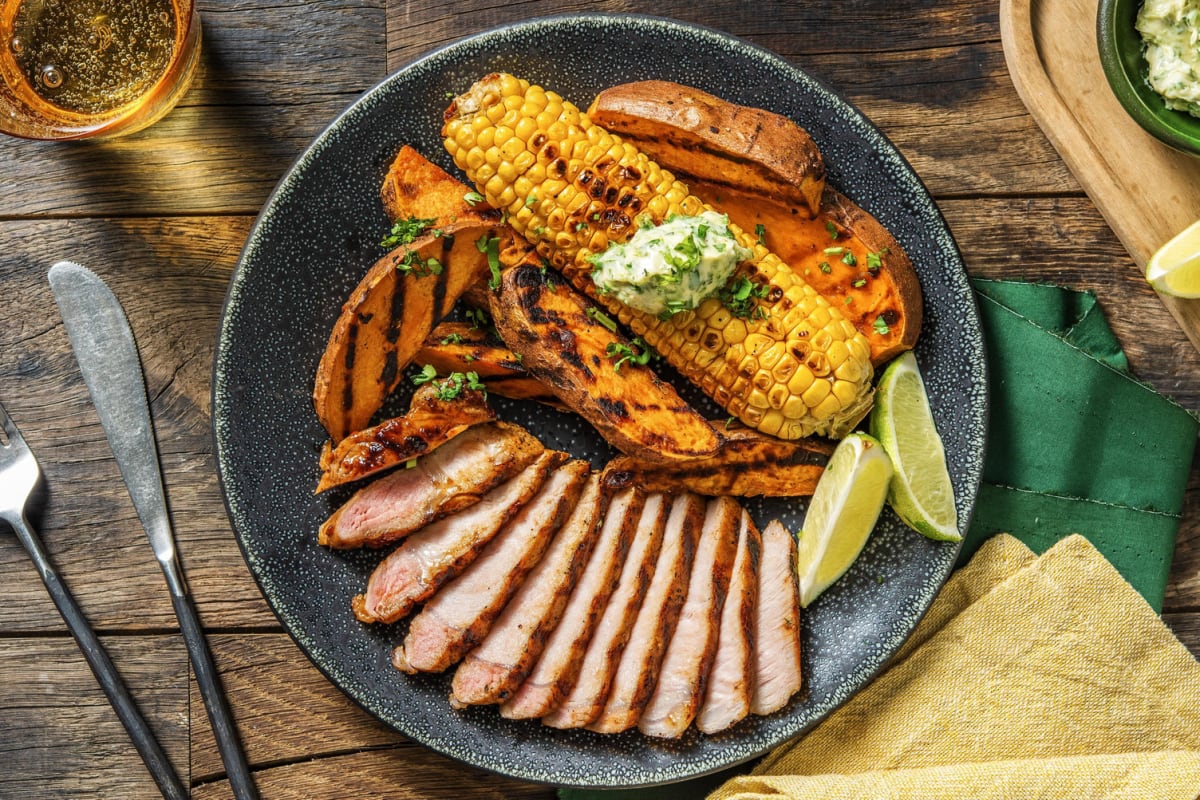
pixel 162 216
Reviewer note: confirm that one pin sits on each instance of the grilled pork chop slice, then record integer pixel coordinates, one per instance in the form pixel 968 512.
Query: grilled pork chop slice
pixel 429 423
pixel 777 649
pixel 567 344
pixel 447 480
pixel 689 656
pixel 460 614
pixel 637 670
pixel 431 557
pixel 492 671
pixel 731 680
pixel 556 670
pixel 586 698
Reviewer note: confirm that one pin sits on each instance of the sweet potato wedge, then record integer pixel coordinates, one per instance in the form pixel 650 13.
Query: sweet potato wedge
pixel 415 187
pixel 758 151
pixel 429 423
pixel 563 341
pixel 748 464
pixel 462 347
pixel 840 249
pixel 386 319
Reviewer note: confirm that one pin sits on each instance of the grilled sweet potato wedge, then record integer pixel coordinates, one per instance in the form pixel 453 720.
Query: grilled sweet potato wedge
pixel 429 423
pixel 748 464
pixel 416 188
pixel 759 151
pixel 462 347
pixel 563 341
pixel 742 161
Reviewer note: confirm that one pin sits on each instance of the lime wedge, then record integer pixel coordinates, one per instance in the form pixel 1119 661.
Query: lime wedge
pixel 842 513
pixel 921 493
pixel 1175 268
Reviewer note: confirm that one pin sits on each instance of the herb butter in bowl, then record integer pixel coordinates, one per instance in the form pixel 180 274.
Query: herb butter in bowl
pixel 1152 62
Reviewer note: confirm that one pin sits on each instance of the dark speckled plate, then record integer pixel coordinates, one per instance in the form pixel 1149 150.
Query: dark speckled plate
pixel 318 234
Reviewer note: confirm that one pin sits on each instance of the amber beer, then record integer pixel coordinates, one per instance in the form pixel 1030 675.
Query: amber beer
pixel 93 68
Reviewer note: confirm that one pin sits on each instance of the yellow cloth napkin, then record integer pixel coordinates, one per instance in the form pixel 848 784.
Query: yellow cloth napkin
pixel 1030 677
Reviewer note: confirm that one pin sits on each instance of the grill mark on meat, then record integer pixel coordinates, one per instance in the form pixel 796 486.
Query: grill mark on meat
pixel 637 671
pixel 431 557
pixel 459 615
pixel 689 656
pixel 447 480
pixel 586 698
pixel 777 650
pixel 556 670
pixel 492 671
pixel 731 679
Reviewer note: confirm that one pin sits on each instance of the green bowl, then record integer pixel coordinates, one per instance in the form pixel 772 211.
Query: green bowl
pixel 1121 56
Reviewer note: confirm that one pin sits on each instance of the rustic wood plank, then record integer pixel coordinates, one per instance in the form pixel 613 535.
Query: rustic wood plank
pixel 1186 626
pixel 407 772
pixel 171 276
pixel 939 91
pixel 255 104
pixel 285 709
pixel 60 738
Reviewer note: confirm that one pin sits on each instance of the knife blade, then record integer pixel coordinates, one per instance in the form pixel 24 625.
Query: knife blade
pixel 108 359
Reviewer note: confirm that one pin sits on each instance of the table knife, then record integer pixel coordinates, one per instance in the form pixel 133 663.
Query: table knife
pixel 108 359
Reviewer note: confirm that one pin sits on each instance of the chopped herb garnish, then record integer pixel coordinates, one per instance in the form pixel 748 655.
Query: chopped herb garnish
pixel 849 258
pixel 602 318
pixel 729 421
pixel 472 198
pixel 427 373
pixel 881 327
pixel 479 320
pixel 645 222
pixel 833 231
pixel 741 295
pixel 635 352
pixel 874 262
pixel 760 231
pixel 412 462
pixel 490 246
pixel 413 265
pixel 405 231
pixel 858 284
pixel 454 338
pixel 453 384
pixel 531 200
pixel 834 251
pixel 824 265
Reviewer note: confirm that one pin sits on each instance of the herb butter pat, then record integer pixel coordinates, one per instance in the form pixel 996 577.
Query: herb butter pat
pixel 1171 32
pixel 671 267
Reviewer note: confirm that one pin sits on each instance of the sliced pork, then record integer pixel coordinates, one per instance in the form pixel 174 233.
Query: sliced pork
pixel 556 670
pixel 431 557
pixel 461 613
pixel 730 684
pixel 587 697
pixel 777 627
pixel 690 654
pixel 492 671
pixel 637 670
pixel 451 478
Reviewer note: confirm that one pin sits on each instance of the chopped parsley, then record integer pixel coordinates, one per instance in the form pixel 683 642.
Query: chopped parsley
pixel 427 373
pixel 824 266
pixel 472 198
pixel 405 231
pixel 490 246
pixel 881 327
pixel 602 318
pixel 741 295
pixel 454 338
pixel 412 264
pixel 450 387
pixel 833 231
pixel 479 320
pixel 874 262
pixel 636 352
pixel 849 258
pixel 760 231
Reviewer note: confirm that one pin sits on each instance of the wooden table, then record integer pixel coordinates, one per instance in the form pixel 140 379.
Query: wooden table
pixel 162 217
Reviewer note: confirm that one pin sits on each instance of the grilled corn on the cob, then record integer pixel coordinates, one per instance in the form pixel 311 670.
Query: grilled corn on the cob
pixel 571 188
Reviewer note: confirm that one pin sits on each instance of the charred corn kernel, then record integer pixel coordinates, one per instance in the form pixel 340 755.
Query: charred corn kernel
pixel 798 369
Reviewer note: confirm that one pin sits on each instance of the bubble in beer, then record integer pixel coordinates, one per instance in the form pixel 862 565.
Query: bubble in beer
pixel 52 76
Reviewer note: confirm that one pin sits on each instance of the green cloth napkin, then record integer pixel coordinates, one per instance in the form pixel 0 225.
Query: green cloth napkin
pixel 1075 445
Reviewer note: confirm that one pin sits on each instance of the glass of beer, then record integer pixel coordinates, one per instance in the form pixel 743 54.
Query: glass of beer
pixel 73 69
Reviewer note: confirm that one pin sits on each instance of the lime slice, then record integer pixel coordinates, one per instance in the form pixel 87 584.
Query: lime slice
pixel 921 493
pixel 842 513
pixel 1175 268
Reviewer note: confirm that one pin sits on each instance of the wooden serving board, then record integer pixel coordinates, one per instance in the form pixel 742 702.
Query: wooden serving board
pixel 1147 192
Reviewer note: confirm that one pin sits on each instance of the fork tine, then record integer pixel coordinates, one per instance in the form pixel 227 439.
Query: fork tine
pixel 10 428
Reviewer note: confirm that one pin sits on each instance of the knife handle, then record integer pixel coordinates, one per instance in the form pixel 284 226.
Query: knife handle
pixel 102 667
pixel 236 768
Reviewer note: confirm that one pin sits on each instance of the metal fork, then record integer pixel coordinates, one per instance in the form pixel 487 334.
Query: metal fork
pixel 19 476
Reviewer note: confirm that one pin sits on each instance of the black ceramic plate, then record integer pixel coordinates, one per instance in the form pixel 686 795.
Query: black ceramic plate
pixel 317 236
